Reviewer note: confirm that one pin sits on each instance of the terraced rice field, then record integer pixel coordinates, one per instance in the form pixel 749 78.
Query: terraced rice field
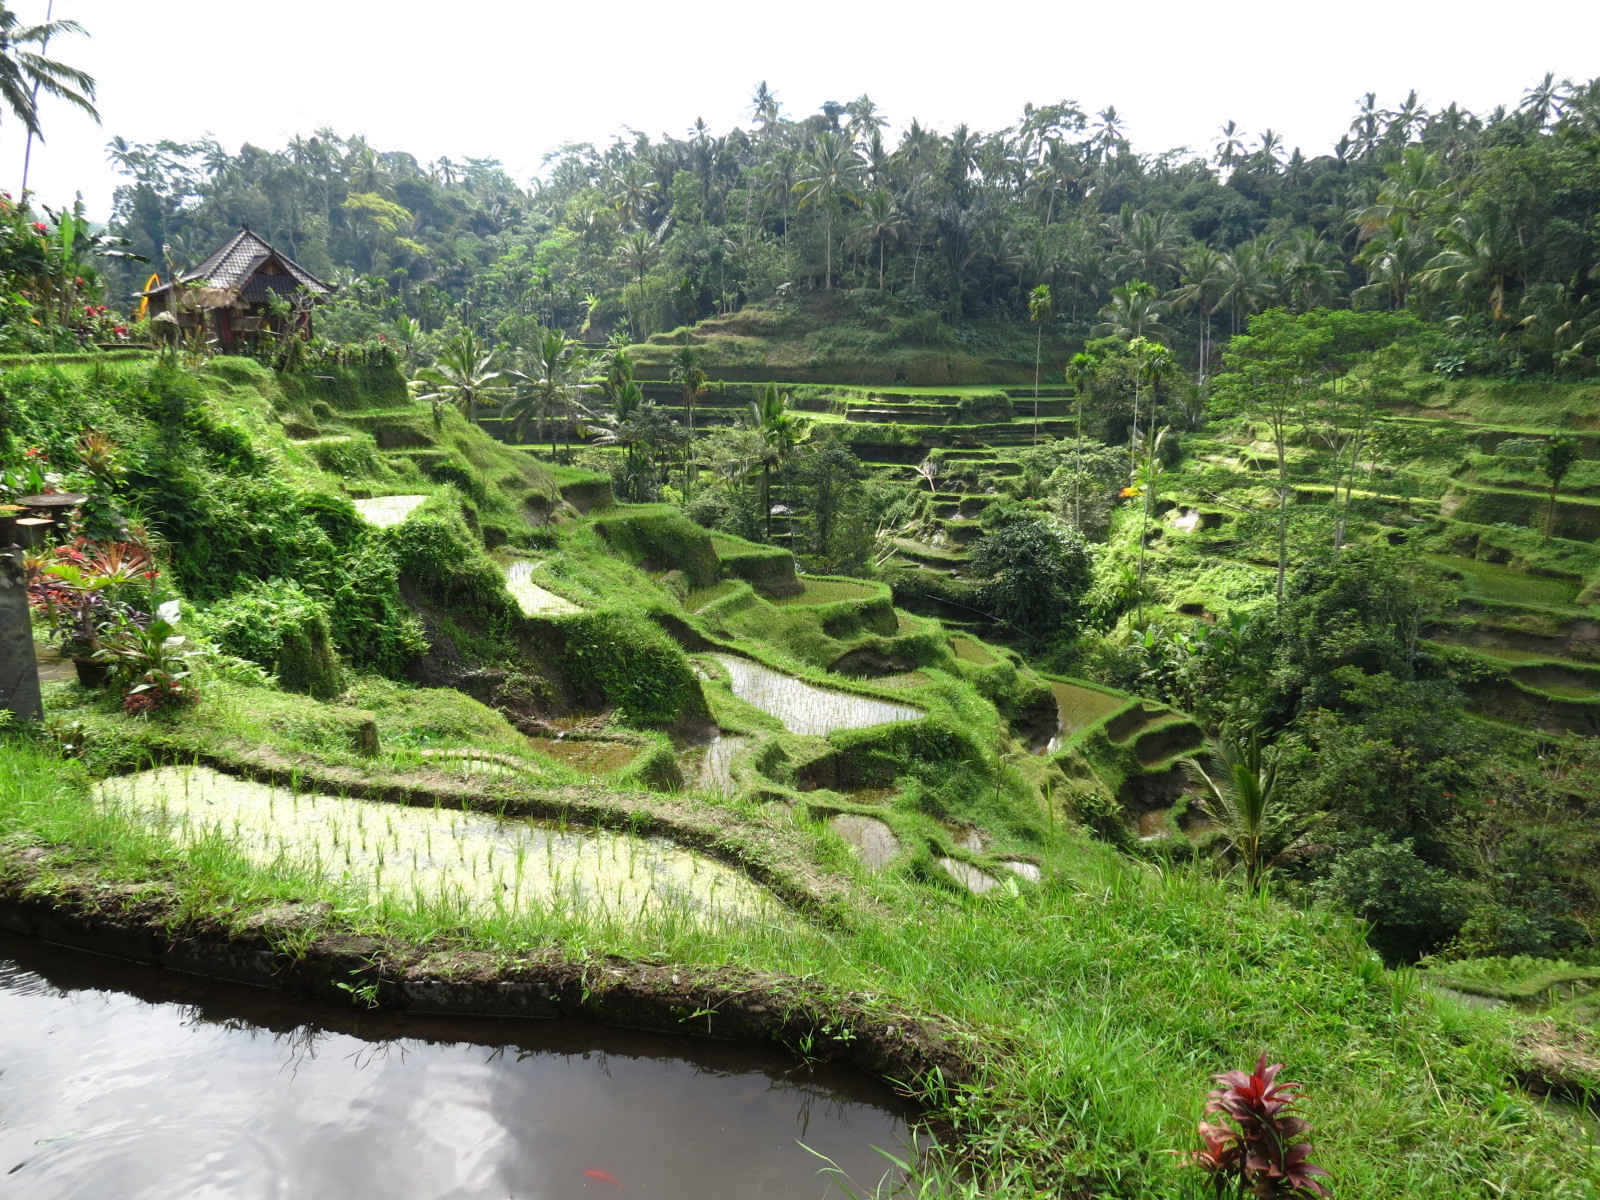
pixel 806 709
pixel 1079 707
pixel 582 754
pixel 828 591
pixel 1496 582
pixel 439 859
pixel 969 650
pixel 386 511
pixel 534 600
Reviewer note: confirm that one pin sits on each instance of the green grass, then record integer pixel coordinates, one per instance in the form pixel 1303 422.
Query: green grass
pixel 1106 998
pixel 828 591
pixel 1496 582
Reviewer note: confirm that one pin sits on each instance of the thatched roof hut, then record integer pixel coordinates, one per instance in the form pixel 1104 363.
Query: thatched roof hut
pixel 230 290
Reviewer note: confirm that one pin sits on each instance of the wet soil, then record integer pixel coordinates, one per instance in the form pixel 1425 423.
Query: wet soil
pixel 139 1083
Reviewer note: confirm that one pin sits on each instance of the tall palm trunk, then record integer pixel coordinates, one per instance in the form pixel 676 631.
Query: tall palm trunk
pixel 1038 356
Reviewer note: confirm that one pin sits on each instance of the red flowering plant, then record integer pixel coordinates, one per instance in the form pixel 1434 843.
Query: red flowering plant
pixel 1262 1153
pixel 83 588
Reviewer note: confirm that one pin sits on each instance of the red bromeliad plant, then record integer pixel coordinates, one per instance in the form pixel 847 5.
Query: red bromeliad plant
pixel 1262 1154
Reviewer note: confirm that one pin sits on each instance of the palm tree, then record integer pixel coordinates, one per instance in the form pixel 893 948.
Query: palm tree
pixel 1230 149
pixel 884 223
pixel 1478 255
pixel 690 376
pixel 1240 792
pixel 1135 312
pixel 827 179
pixel 1202 286
pixel 1147 247
pixel 1080 373
pixel 639 252
pixel 25 73
pixel 1039 312
pixel 548 385
pixel 781 431
pixel 1244 282
pixel 1311 269
pixel 1152 363
pixel 463 378
pixel 1147 479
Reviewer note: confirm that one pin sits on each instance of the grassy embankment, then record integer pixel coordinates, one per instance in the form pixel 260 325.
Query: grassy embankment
pixel 1099 1000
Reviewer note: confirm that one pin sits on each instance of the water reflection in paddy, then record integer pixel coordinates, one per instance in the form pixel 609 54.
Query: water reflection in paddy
pixel 136 1084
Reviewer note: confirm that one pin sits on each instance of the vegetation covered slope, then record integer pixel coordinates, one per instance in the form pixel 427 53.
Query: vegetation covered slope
pixel 1090 998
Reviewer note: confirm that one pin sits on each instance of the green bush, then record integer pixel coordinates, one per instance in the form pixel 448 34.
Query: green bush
pixel 632 663
pixel 284 628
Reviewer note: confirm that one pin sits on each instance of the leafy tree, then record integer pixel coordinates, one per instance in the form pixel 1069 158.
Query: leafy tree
pixel 1365 608
pixel 827 478
pixel 1556 458
pixel 1276 371
pixel 1036 572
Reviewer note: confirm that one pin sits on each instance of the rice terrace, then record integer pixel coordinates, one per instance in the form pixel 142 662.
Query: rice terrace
pixel 819 656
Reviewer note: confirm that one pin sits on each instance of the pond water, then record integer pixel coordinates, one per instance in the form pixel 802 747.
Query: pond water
pixel 384 511
pixel 444 858
pixel 806 709
pixel 132 1083
pixel 534 600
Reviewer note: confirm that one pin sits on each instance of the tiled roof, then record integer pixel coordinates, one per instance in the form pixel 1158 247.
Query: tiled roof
pixel 238 260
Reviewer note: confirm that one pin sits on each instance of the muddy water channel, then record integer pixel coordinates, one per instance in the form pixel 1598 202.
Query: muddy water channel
pixel 131 1083
pixel 438 858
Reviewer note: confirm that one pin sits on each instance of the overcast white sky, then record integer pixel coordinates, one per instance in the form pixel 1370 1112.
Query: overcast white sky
pixel 512 80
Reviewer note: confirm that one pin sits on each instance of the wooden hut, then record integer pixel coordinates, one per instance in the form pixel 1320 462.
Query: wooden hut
pixel 228 292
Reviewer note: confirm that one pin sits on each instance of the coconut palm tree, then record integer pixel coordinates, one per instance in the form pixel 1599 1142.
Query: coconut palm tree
pixel 883 223
pixel 639 251
pixel 781 431
pixel 463 378
pixel 689 373
pixel 1311 270
pixel 1202 285
pixel 828 177
pixel 1081 371
pixel 25 73
pixel 1135 312
pixel 1477 257
pixel 1039 312
pixel 1239 786
pixel 548 385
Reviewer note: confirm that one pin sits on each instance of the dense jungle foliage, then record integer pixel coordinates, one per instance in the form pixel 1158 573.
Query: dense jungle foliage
pixel 1487 220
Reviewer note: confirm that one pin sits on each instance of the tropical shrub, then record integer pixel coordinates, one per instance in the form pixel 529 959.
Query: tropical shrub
pixel 1258 1154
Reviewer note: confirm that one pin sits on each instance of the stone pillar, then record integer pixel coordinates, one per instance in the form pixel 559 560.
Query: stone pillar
pixel 19 671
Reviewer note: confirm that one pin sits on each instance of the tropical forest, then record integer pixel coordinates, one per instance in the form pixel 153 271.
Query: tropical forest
pixel 821 657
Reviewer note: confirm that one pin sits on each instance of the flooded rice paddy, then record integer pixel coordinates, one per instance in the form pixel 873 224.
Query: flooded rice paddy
pixel 443 858
pixel 806 709
pixel 384 511
pixel 1077 708
pixel 133 1083
pixel 534 600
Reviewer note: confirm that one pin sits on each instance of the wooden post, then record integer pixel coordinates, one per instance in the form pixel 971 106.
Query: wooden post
pixel 19 672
